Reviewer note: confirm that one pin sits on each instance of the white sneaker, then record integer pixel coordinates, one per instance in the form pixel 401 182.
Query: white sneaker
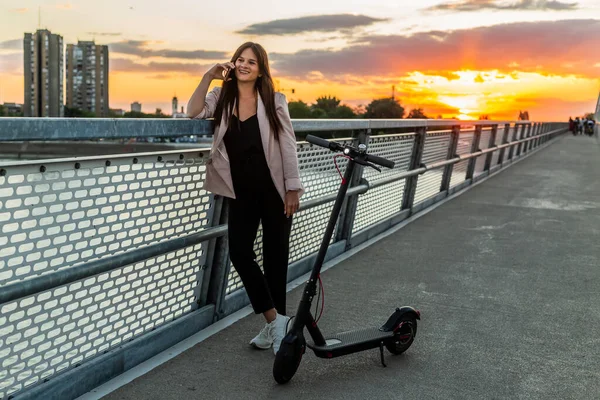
pixel 278 330
pixel 263 340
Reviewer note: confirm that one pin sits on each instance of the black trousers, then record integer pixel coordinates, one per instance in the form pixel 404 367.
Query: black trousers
pixel 261 204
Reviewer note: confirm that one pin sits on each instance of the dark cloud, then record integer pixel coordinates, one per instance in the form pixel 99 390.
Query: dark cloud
pixel 315 23
pixel 139 48
pixel 520 5
pixel 552 47
pixel 124 65
pixel 13 44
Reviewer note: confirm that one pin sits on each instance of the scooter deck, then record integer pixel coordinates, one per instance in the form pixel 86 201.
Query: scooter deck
pixel 350 342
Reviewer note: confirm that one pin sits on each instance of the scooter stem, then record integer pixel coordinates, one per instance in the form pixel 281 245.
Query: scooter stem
pixel 303 316
pixel 337 207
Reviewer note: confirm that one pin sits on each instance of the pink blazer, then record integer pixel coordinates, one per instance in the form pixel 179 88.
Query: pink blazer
pixel 281 155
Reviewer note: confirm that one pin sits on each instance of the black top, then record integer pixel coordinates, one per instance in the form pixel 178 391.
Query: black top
pixel 249 168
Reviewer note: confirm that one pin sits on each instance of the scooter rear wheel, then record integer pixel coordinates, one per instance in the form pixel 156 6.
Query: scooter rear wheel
pixel 288 358
pixel 404 335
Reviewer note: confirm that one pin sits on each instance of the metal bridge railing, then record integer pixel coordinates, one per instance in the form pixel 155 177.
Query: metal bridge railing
pixel 107 260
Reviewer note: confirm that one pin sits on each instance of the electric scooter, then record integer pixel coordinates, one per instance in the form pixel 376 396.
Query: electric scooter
pixel 398 332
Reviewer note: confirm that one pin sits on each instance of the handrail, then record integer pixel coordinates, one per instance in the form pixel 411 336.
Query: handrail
pixel 54 279
pixel 50 129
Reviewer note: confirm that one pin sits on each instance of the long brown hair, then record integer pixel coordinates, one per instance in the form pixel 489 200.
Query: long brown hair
pixel 264 86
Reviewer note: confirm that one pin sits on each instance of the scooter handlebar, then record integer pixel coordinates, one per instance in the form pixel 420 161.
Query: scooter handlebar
pixel 333 146
pixel 322 142
pixel 384 162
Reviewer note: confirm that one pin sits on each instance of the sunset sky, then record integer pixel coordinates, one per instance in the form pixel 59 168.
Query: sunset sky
pixel 450 57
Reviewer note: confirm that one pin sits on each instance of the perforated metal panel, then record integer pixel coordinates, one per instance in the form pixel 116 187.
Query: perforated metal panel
pixel 55 330
pixel 71 214
pixel 436 149
pixel 484 143
pixel 459 171
pixel 65 216
pixel 319 177
pixel 381 202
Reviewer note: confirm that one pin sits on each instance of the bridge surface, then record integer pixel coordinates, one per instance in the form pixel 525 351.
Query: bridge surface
pixel 505 276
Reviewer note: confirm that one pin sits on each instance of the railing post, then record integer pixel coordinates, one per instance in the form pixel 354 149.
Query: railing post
pixel 447 176
pixel 348 213
pixel 512 149
pixel 504 141
pixel 492 143
pixel 410 187
pixel 541 132
pixel 215 276
pixel 524 135
pixel 533 143
pixel 527 145
pixel 474 149
pixel 519 137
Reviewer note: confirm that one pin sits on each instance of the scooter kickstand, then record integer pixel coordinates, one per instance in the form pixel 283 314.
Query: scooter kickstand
pixel 381 353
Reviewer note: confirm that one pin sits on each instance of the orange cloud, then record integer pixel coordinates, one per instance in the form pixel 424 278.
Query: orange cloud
pixel 554 47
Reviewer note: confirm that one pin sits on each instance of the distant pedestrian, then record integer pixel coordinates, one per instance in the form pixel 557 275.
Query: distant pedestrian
pixel 589 127
pixel 571 125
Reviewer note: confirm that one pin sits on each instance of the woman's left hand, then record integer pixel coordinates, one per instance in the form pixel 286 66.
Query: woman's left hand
pixel 292 202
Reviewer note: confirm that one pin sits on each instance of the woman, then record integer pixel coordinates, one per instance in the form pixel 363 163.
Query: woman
pixel 254 164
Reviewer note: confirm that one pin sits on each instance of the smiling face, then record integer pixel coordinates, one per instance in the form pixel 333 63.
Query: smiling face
pixel 246 66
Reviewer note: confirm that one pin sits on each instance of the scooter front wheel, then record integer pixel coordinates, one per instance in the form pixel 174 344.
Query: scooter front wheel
pixel 288 357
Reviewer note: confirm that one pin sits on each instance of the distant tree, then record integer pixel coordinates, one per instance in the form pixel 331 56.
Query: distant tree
pixel 524 116
pixel 327 103
pixel 135 114
pixel 439 116
pixel 78 113
pixel 484 117
pixel 384 108
pixel 342 112
pixel 417 113
pixel 113 114
pixel 318 113
pixel 1 110
pixel 589 116
pixel 299 109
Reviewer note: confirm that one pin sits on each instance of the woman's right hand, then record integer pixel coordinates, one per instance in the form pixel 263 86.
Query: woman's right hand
pixel 220 71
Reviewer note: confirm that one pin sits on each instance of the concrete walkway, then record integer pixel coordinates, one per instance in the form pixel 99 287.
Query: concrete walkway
pixel 507 278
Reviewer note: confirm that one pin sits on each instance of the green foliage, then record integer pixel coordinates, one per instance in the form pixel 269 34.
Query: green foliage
pixel 138 114
pixel 318 113
pixel 384 108
pixel 324 107
pixel 328 104
pixel 77 113
pixel 417 113
pixel 342 112
pixel 299 109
